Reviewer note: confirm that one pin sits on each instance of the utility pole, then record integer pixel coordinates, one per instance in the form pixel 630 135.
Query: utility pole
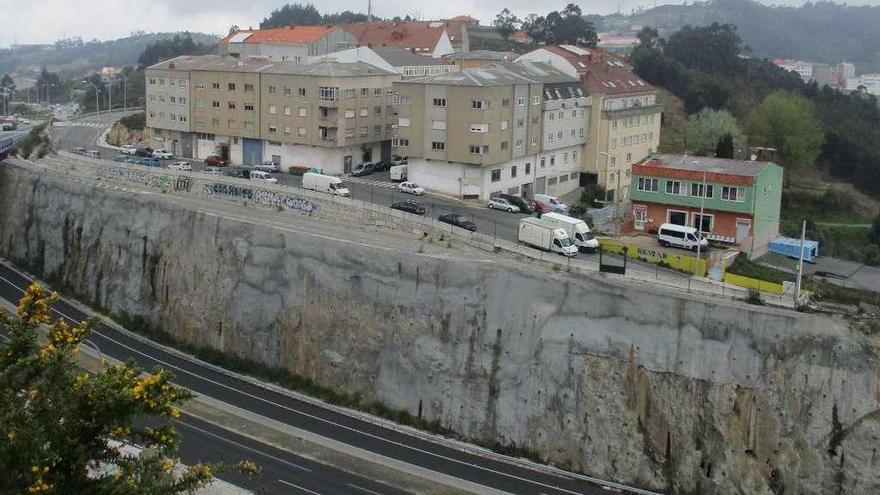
pixel 797 286
pixel 700 223
pixel 124 93
pixel 617 206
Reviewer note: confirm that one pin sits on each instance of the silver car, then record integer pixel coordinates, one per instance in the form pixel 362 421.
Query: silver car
pixel 497 203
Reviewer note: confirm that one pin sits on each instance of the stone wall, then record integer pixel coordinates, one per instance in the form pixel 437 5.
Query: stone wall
pixel 623 382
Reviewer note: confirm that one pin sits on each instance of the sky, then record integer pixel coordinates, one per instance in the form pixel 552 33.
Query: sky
pixel 45 21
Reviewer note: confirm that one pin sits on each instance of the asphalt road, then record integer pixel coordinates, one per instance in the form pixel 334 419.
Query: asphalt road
pixel 349 430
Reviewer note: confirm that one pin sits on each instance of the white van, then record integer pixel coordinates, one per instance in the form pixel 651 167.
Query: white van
pixel 577 229
pixel 398 172
pixel 325 184
pixel 262 176
pixel 681 236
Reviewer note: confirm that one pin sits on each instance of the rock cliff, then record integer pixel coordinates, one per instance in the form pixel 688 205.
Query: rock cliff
pixel 678 394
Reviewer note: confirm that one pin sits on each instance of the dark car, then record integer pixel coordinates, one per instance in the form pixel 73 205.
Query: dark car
pixel 382 165
pixel 144 152
pixel 238 174
pixel 409 206
pixel 149 162
pixel 525 206
pixel 215 161
pixel 459 221
pixel 364 168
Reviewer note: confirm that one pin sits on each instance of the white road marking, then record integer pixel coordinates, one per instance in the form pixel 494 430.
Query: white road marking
pixel 371 492
pixel 299 487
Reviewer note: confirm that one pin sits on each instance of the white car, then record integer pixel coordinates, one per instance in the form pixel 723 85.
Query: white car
pixel 502 204
pixel 128 149
pixel 268 166
pixel 181 165
pixel 162 153
pixel 411 188
pixel 263 176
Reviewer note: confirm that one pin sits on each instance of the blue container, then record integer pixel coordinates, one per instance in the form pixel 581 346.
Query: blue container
pixel 790 246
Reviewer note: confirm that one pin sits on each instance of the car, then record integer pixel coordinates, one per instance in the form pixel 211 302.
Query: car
pixel 382 165
pixel 411 188
pixel 144 152
pixel 163 154
pixel 235 174
pixel 363 168
pixel 149 162
pixel 212 171
pixel 215 161
pixel 525 206
pixel 268 166
pixel 121 158
pixel 262 176
pixel 79 151
pixel 180 165
pixel 552 202
pixel 128 149
pixel 93 154
pixel 409 206
pixel 457 220
pixel 499 203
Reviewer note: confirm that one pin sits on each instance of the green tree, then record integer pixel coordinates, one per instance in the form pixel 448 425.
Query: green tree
pixel 714 48
pixel 706 128
pixel 787 121
pixel 506 23
pixel 56 421
pixel 725 148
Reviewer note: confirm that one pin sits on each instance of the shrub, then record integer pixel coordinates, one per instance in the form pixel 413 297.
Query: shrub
pixel 134 122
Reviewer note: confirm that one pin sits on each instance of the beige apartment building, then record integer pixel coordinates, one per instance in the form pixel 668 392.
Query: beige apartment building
pixel 168 109
pixel 477 132
pixel 329 115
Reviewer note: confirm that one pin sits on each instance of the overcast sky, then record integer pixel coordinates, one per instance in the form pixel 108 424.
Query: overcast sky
pixel 45 21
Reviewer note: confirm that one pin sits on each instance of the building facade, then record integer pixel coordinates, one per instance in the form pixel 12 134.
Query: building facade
pixel 740 200
pixel 168 108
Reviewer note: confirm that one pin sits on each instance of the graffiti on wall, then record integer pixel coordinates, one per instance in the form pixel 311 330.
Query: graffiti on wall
pixel 260 197
pixel 135 177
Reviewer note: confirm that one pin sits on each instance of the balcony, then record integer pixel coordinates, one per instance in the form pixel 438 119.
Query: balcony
pixel 327 135
pixel 328 114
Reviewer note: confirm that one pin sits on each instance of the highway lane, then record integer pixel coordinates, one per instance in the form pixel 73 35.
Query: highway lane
pixel 347 429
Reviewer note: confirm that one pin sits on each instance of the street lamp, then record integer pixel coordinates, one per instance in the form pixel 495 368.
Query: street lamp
pixel 97 95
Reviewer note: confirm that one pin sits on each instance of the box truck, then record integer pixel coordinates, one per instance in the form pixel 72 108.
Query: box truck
pixel 576 228
pixel 542 235
pixel 325 184
pixel 398 172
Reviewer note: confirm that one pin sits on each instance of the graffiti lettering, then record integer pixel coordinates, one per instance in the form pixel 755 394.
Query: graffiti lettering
pixel 261 197
pixel 183 183
pixel 653 255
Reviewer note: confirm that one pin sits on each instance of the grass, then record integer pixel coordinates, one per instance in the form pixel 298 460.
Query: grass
pixel 747 268
pixel 826 291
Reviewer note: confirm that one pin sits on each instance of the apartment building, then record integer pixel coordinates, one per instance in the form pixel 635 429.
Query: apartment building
pixel 428 38
pixel 625 115
pixel 286 43
pixel 168 107
pixel 329 115
pixel 478 132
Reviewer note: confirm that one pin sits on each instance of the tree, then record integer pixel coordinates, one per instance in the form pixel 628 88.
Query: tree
pixel 648 37
pixel 506 23
pixel 170 48
pixel 706 129
pixel 566 27
pixel 298 14
pixel 787 121
pixel 714 48
pixel 56 421
pixel 725 148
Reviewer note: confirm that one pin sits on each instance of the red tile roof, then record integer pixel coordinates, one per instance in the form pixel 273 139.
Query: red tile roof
pixel 401 34
pixel 284 34
pixel 601 72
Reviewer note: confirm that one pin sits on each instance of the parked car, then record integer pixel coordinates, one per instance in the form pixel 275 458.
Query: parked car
pixel 411 188
pixel 409 206
pixel 144 152
pixel 268 166
pixel 363 168
pixel 499 203
pixel 459 221
pixel 235 174
pixel 128 149
pixel 180 165
pixel 94 154
pixel 382 165
pixel 325 184
pixel 262 176
pixel 215 161
pixel 682 236
pixel 163 154
pixel 212 171
pixel 525 206
pixel 552 202
pixel 121 158
pixel 149 162
pixel 79 151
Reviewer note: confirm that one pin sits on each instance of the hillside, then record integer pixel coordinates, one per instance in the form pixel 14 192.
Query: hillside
pixel 74 56
pixel 820 32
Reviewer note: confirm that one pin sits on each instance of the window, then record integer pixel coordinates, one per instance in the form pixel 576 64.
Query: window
pixel 348 93
pixel 172 99
pixel 505 102
pixel 479 128
pixel 215 85
pixel 520 122
pixel 552 160
pixel 536 100
pixel 231 105
pixel 400 142
pixel 572 133
pixel 215 104
pixel 673 187
pixel 503 145
pixel 215 122
pixel 272 129
pixel 349 114
pixel 403 121
pixel 613 160
pixel 565 157
pixel 326 93
pixel 629 158
pixel 161 99
pixel 248 126
pixel 543 162
pixel 302 111
pixel 574 113
pixel 161 82
pixel 438 125
pixel 476 149
pixel 200 85
pixel 574 156
pixel 550 137
pixel 581 133
pixel 230 86
pixel 697 190
pixel 440 102
pixel 152 80
pixel 248 88
pixel 377 129
pixel 153 98
pixel 172 82
pixel 528 168
pixel 273 109
pixel 271 90
pixel 377 110
pixel 287 129
pixel 377 91
pixel 505 124
pixel 730 193
pixel 496 175
pixel 533 141
pixel 563 178
pixel 438 146
pixel 559 134
pixel 200 122
pixel 561 115
pixel 614 124
pixel 181 100
pixel 301 131
pixel 551 181
pixel 535 120
pixel 513 172
pixel 479 104
pixel 230 124
pixel 365 92
pixel 647 184
pixel 520 101
pixel 363 130
pixel 286 110
pixel 301 92
pixel 286 91
pixel 703 222
pixel 519 143
pixel 364 112
pixel 552 116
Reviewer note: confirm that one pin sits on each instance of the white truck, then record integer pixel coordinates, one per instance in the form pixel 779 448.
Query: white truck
pixel 325 184
pixel 398 173
pixel 577 230
pixel 542 235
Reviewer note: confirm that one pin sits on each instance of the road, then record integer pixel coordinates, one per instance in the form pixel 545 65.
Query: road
pixel 350 430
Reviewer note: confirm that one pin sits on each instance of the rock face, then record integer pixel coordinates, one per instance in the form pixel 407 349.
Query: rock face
pixel 675 394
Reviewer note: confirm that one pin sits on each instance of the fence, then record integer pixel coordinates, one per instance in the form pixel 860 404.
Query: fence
pixel 753 283
pixel 680 262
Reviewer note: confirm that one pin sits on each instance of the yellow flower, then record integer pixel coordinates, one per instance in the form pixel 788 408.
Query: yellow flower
pixel 174 413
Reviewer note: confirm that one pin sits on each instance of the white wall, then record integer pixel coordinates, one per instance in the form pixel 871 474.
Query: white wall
pixel 204 148
pixel 438 176
pixel 444 46
pixel 554 60
pixel 507 181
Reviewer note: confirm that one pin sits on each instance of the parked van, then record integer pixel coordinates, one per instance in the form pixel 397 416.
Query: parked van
pixel 539 234
pixel 681 236
pixel 325 184
pixel 398 172
pixel 551 202
pixel 577 229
